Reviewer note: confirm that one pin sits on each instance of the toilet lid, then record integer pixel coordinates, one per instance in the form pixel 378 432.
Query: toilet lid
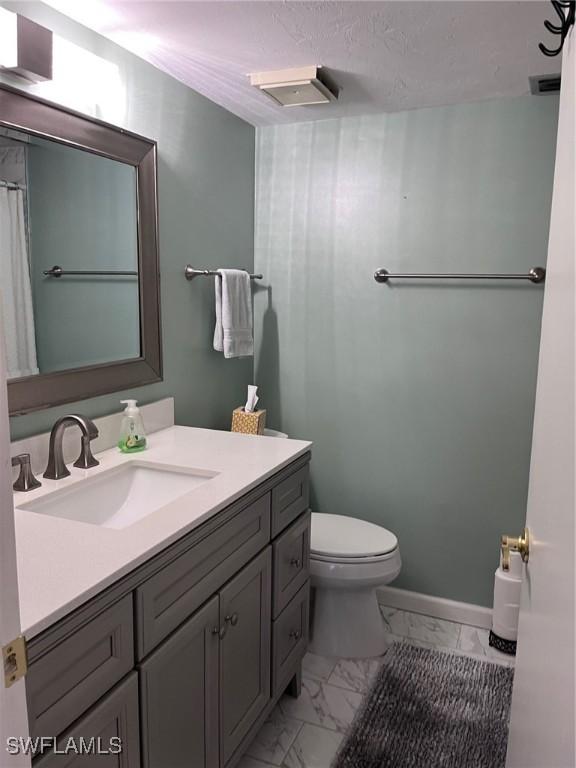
pixel 341 536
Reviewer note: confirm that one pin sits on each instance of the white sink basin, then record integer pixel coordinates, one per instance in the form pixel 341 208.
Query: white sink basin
pixel 121 496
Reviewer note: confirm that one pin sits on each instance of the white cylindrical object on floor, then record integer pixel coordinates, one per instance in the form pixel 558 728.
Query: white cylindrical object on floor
pixel 507 588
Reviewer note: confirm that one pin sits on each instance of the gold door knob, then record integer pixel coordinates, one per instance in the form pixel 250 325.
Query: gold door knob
pixel 519 544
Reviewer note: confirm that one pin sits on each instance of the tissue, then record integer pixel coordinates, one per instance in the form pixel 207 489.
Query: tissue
pixel 252 399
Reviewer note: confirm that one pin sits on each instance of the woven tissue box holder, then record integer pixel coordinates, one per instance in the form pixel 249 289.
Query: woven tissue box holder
pixel 249 423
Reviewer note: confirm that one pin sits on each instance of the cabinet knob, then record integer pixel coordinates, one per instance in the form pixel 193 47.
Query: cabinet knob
pixel 233 619
pixel 220 631
pixel 294 635
pixel 295 562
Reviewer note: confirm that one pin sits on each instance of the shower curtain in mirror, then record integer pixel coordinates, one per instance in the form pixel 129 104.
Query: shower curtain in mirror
pixel 16 311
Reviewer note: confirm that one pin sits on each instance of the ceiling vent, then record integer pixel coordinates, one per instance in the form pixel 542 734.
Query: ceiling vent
pixel 544 84
pixel 298 87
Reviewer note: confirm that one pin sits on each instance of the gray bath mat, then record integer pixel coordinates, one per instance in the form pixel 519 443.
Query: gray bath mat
pixel 429 709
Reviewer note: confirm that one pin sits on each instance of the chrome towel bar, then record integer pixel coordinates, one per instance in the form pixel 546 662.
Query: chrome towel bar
pixel 57 271
pixel 535 275
pixel 190 273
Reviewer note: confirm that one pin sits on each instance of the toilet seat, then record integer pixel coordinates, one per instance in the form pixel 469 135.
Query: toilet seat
pixel 351 575
pixel 352 560
pixel 347 540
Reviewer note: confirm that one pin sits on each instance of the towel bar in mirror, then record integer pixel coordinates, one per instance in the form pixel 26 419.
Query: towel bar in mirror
pixel 85 194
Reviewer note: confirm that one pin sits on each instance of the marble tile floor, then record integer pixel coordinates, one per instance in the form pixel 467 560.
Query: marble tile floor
pixel 306 732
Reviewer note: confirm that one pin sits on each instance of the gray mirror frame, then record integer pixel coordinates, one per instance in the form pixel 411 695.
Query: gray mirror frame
pixel 42 118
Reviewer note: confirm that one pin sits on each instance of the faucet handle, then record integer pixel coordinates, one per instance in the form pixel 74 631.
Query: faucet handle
pixel 86 459
pixel 26 480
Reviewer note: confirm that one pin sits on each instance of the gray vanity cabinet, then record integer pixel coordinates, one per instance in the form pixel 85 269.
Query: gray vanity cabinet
pixel 179 696
pixel 185 657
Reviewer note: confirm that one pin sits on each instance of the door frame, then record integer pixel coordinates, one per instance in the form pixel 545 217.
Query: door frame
pixel 13 711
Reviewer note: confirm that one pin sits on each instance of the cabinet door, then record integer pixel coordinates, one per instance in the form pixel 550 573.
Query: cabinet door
pixel 245 612
pixel 105 737
pixel 179 696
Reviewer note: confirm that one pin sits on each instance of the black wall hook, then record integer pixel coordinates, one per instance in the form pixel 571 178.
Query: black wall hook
pixel 566 10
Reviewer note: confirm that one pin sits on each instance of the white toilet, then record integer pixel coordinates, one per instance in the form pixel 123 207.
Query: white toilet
pixel 349 558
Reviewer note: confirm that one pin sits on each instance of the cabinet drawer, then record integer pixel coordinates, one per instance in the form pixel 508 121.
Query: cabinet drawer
pixel 290 639
pixel 112 725
pixel 291 562
pixel 173 594
pixel 289 499
pixel 70 677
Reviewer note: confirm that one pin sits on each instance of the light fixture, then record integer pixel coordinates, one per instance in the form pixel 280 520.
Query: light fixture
pixel 25 47
pixel 8 38
pixel 298 87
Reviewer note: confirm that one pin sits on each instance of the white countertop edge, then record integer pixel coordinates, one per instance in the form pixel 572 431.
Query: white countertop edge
pixel 298 449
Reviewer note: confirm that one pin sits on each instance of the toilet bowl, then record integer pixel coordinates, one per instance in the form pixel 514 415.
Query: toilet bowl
pixel 349 559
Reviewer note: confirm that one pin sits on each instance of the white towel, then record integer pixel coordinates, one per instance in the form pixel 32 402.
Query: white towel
pixel 233 331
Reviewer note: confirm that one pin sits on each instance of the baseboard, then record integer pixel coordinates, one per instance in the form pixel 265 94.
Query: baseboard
pixel 439 607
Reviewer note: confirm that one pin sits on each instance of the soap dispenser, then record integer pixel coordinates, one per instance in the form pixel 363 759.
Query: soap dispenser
pixel 132 434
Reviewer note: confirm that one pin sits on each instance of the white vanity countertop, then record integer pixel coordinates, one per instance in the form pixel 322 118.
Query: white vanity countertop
pixel 62 563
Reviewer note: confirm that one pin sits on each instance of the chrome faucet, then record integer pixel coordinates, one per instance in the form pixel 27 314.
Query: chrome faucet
pixel 57 468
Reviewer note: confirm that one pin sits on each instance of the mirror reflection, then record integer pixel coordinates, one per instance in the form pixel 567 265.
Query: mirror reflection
pixel 69 257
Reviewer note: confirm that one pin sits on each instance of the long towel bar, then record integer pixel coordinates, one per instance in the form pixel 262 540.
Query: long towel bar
pixel 535 275
pixel 57 271
pixel 191 273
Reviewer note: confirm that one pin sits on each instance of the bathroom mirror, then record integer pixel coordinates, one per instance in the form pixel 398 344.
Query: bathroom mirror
pixel 79 294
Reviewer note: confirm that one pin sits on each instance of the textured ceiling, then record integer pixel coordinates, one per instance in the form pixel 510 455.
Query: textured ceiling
pixel 384 56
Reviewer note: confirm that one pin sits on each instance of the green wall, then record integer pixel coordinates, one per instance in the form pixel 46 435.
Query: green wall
pixel 82 217
pixel 206 215
pixel 418 396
